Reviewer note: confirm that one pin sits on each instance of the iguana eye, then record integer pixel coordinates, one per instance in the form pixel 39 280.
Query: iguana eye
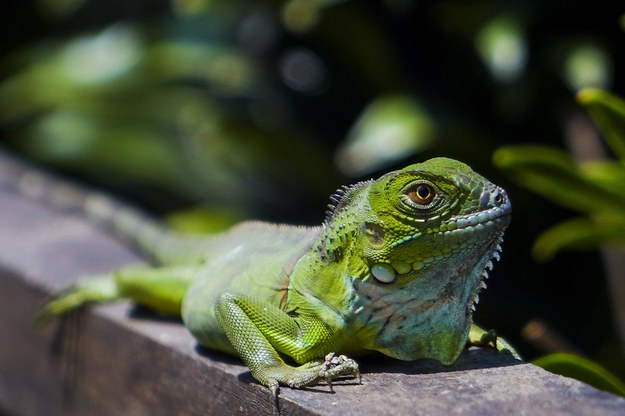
pixel 421 194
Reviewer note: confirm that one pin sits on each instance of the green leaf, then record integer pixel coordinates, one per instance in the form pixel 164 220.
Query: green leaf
pixel 577 234
pixel 553 174
pixel 582 369
pixel 608 175
pixel 608 112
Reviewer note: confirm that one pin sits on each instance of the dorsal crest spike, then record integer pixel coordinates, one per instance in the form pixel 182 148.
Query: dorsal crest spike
pixel 340 198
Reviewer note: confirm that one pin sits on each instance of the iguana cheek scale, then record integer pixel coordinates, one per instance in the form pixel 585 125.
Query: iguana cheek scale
pixel 395 268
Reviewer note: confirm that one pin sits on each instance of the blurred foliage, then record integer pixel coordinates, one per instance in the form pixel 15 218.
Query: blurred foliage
pixel 594 187
pixel 390 128
pixel 209 111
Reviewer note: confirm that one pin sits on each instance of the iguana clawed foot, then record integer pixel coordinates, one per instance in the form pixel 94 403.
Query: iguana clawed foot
pixel 336 366
pixel 333 366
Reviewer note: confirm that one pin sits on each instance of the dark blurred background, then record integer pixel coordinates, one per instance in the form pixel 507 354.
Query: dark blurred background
pixel 206 112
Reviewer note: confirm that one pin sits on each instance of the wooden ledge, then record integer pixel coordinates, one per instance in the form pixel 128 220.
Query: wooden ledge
pixel 129 362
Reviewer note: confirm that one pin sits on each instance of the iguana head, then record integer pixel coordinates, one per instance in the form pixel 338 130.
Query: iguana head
pixel 426 237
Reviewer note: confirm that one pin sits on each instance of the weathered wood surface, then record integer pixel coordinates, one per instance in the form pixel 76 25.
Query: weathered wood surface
pixel 128 362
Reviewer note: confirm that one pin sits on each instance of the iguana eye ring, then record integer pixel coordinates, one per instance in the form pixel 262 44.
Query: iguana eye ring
pixel 421 193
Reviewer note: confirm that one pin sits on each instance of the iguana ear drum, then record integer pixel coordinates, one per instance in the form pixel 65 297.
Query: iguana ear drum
pixel 374 233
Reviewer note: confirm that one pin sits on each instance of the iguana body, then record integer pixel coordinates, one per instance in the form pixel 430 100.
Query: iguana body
pixel 396 268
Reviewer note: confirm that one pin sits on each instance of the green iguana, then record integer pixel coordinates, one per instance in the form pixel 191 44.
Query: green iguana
pixel 396 267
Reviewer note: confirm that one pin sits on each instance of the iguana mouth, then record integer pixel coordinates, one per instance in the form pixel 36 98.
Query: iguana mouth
pixel 496 210
pixel 494 220
pixel 498 216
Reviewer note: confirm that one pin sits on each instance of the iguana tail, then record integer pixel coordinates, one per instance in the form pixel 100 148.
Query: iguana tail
pixel 147 235
pixel 93 290
pixel 159 289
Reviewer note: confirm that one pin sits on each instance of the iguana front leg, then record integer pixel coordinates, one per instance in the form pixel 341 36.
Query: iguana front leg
pixel 259 330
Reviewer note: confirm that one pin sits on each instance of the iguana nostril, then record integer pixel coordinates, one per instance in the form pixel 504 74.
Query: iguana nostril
pixel 498 198
pixel 489 199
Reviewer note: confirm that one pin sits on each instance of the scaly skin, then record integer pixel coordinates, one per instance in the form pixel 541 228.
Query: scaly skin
pixel 395 268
